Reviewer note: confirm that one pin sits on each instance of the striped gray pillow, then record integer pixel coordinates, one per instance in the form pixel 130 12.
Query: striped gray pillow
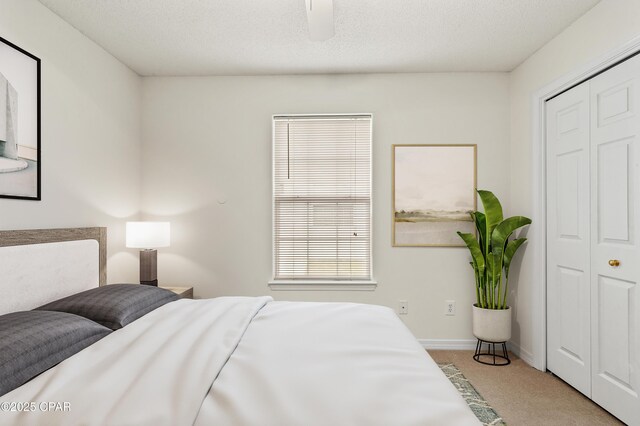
pixel 31 342
pixel 114 305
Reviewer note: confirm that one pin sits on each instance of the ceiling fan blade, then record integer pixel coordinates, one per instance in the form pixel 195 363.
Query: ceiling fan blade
pixel 320 18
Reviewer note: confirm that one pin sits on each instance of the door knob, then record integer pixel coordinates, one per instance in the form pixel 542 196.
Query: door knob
pixel 614 262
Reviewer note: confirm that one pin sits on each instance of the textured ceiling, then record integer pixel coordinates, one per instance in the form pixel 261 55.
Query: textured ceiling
pixel 240 37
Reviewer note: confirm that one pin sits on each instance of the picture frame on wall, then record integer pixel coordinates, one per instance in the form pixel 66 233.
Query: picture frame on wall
pixel 434 190
pixel 20 145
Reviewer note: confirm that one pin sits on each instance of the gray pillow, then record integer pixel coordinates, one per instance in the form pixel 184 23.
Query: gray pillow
pixel 114 305
pixel 31 342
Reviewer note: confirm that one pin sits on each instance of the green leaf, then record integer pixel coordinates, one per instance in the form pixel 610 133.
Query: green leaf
pixel 493 214
pixel 494 261
pixel 474 248
pixel 509 252
pixel 502 232
pixel 481 225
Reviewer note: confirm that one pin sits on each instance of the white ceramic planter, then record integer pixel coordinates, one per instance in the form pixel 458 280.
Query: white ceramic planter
pixel 492 325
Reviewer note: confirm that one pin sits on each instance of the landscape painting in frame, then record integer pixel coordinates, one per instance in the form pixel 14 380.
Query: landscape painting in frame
pixel 19 123
pixel 433 194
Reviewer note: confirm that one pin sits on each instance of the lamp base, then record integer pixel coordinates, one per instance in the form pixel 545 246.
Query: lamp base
pixel 149 267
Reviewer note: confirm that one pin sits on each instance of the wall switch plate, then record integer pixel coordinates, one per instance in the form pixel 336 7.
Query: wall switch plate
pixel 449 307
pixel 403 307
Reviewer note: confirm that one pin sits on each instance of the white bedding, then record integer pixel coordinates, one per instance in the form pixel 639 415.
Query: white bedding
pixel 250 361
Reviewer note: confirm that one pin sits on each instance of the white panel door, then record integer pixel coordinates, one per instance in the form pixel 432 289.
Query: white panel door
pixel 615 240
pixel 568 238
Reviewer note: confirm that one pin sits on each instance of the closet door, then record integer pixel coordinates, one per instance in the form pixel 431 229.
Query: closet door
pixel 615 214
pixel 568 238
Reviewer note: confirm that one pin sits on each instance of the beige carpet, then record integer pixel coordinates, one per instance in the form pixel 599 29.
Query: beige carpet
pixel 523 395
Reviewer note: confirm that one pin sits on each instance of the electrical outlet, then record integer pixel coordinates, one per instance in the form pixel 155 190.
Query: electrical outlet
pixel 449 307
pixel 403 307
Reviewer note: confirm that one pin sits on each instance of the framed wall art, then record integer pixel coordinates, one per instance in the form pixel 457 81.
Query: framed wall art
pixel 19 123
pixel 433 193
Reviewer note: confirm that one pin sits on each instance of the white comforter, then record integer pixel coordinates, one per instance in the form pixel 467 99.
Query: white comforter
pixel 249 361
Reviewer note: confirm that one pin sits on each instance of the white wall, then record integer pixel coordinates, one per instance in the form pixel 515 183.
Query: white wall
pixel 209 138
pixel 608 25
pixel 90 133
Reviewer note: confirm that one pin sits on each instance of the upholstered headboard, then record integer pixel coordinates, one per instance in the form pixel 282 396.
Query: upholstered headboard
pixel 41 265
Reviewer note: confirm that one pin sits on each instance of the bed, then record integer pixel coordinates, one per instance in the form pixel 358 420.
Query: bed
pixel 221 361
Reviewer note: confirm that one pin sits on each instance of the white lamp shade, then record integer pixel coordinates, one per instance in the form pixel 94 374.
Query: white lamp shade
pixel 148 235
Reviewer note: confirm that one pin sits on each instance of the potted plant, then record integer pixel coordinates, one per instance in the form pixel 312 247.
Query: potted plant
pixel 491 254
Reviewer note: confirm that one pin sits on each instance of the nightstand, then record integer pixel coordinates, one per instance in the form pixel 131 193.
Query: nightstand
pixel 183 292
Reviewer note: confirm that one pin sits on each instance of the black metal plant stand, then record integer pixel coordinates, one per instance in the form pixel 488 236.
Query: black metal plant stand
pixel 497 359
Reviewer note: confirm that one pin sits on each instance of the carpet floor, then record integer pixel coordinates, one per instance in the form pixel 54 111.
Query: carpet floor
pixel 522 395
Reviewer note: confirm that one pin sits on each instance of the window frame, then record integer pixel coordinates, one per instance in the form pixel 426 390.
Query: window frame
pixel 324 284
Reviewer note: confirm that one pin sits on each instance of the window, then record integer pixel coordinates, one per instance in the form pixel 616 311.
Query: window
pixel 322 198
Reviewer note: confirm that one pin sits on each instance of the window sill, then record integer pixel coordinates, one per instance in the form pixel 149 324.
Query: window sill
pixel 300 285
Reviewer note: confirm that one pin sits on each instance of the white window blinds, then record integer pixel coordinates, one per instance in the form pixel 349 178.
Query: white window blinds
pixel 322 197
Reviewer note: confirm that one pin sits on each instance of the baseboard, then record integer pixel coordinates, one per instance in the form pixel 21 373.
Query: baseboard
pixel 27 153
pixel 449 344
pixel 524 355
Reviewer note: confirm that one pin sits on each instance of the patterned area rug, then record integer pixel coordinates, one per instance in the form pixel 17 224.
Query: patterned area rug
pixel 478 405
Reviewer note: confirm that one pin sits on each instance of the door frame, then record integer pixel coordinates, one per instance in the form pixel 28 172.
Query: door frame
pixel 538 357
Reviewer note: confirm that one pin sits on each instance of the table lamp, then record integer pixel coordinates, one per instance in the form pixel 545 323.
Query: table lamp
pixel 148 236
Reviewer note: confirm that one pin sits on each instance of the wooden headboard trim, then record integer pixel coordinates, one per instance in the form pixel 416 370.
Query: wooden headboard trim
pixel 42 236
